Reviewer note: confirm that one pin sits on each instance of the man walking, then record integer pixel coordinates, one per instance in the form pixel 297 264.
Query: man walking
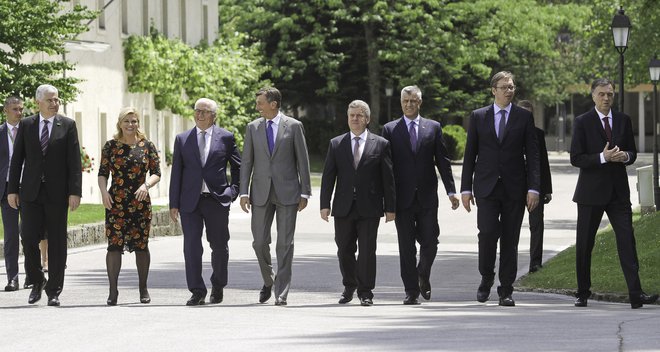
pixel 201 194
pixel 47 143
pixel 417 150
pixel 275 182
pixel 500 171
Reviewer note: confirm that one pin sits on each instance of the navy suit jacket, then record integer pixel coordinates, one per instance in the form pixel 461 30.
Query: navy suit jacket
pixel 4 157
pixel 515 160
pixel 60 167
pixel 414 173
pixel 372 181
pixel 188 173
pixel 597 182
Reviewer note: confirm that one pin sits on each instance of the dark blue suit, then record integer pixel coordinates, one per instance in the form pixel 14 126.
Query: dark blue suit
pixel 417 195
pixel 210 209
pixel 9 214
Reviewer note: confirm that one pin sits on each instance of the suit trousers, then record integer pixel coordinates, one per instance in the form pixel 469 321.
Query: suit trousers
pixel 50 215
pixel 353 232
pixel 536 228
pixel 416 224
pixel 12 238
pixel 620 216
pixel 499 218
pixel 213 216
pixel 262 220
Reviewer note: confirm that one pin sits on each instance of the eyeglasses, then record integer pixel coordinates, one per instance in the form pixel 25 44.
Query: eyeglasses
pixel 202 111
pixel 511 88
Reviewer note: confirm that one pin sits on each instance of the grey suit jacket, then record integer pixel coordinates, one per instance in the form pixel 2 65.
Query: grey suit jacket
pixel 287 168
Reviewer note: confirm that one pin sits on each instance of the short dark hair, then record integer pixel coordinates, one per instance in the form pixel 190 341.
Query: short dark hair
pixel 12 99
pixel 499 76
pixel 527 105
pixel 272 95
pixel 601 82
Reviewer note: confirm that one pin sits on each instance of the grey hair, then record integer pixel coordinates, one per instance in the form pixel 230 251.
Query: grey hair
pixel 601 82
pixel 12 100
pixel 43 89
pixel 410 90
pixel 214 105
pixel 361 105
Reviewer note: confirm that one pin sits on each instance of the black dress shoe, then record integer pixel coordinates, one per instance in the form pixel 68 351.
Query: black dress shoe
pixel 144 296
pixel 112 298
pixel 424 288
pixel 534 268
pixel 346 296
pixel 581 302
pixel 217 295
pixel 264 294
pixel 197 299
pixel 507 301
pixel 411 299
pixel 366 302
pixel 643 299
pixel 53 301
pixel 483 292
pixel 280 302
pixel 27 285
pixel 12 285
pixel 35 294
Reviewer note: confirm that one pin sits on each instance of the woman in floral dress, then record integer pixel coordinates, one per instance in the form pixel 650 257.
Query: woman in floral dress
pixel 129 156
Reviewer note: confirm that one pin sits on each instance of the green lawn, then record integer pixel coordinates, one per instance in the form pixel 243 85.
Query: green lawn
pixel 606 275
pixel 85 214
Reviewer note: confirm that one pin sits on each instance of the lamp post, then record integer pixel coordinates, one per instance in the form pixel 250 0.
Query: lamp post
pixel 620 33
pixel 388 93
pixel 654 70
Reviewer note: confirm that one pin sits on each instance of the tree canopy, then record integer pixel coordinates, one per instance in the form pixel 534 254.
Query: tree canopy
pixel 37 26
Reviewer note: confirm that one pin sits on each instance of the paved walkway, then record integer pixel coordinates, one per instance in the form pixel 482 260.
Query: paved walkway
pixel 451 321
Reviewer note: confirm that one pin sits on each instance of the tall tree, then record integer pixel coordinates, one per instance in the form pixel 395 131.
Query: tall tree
pixel 38 26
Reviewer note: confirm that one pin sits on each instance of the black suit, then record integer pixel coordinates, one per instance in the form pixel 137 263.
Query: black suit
pixel 417 195
pixel 9 214
pixel 48 181
pixel 603 187
pixel 361 195
pixel 536 225
pixel 503 173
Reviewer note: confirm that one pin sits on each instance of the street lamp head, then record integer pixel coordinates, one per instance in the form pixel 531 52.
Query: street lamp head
pixel 621 30
pixel 654 69
pixel 389 89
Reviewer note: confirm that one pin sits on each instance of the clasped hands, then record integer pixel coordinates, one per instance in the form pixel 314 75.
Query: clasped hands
pixel 614 155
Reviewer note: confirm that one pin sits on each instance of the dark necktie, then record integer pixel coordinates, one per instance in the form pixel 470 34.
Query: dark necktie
pixel 500 131
pixel 356 152
pixel 269 137
pixel 44 137
pixel 413 137
pixel 608 129
pixel 202 147
pixel 13 134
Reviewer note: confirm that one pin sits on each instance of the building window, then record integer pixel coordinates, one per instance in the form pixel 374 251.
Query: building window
pixel 103 125
pixel 124 17
pixel 205 23
pixel 164 18
pixel 145 17
pixel 99 6
pixel 182 5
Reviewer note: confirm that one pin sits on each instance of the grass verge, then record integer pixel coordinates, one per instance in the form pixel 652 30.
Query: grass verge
pixel 558 274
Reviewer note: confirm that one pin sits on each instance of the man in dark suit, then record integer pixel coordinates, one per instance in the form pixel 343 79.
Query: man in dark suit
pixel 201 193
pixel 536 225
pixel 417 150
pixel 275 182
pixel 13 109
pixel 500 170
pixel 360 164
pixel 47 143
pixel 603 145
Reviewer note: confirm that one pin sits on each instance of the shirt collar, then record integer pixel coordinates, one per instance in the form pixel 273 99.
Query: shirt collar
pixel 208 130
pixel 601 115
pixel 276 119
pixel 497 109
pixel 10 126
pixel 362 136
pixel 50 119
pixel 409 121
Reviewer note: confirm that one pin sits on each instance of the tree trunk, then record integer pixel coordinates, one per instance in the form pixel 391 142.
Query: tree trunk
pixel 373 72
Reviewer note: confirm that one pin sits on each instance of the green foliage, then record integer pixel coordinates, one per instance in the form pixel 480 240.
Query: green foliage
pixel 178 75
pixel 606 275
pixel 37 26
pixel 318 133
pixel 455 138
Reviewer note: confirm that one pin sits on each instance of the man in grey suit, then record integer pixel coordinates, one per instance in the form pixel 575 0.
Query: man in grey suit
pixel 275 170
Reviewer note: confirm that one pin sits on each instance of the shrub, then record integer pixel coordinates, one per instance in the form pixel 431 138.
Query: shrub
pixel 455 138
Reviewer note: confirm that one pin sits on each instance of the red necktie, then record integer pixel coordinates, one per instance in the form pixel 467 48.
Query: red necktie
pixel 608 129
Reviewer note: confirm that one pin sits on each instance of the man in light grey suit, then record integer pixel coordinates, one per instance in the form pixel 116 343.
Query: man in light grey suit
pixel 275 170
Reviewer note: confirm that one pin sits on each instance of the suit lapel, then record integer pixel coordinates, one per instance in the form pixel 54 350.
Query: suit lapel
pixel 4 141
pixel 401 130
pixel 281 128
pixel 56 133
pixel 369 146
pixel 489 119
pixel 191 142
pixel 345 148
pixel 597 125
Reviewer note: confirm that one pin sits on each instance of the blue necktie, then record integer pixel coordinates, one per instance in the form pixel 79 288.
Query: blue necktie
pixel 413 137
pixel 500 131
pixel 269 137
pixel 44 137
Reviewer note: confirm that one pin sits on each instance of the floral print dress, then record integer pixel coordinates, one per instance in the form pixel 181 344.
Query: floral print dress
pixel 128 223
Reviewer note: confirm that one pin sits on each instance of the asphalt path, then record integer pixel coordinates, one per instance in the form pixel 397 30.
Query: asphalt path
pixel 313 321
